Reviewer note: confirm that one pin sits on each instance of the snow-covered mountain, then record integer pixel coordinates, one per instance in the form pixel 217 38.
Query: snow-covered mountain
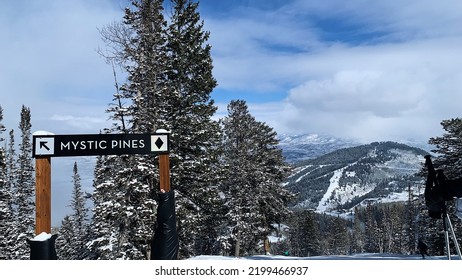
pixel 308 146
pixel 341 179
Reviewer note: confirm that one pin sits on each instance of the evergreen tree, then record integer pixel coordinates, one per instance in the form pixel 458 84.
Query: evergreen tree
pixel 2 148
pixel 448 148
pixel 105 227
pixel 11 173
pixel 74 228
pixel 123 210
pixel 195 135
pixel 25 193
pixel 146 87
pixel 252 180
pixel 304 234
pixel 411 219
pixel 169 86
pixel 5 210
pixel 124 197
pixel 337 237
pixel 358 237
pixel 449 159
pixel 369 230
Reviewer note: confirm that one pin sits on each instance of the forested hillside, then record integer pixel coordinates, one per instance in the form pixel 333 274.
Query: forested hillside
pixel 344 178
pixel 368 198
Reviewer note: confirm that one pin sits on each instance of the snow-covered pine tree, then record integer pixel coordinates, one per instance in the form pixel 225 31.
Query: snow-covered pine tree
pixel 242 209
pixel 121 213
pixel 449 148
pixel 64 248
pixel 124 209
pixel 2 147
pixel 195 137
pixel 252 179
pixel 370 233
pixel 25 192
pixel 11 176
pixel 449 158
pixel 358 238
pixel 74 229
pixel 430 231
pixel 5 211
pixel 124 197
pixel 169 86
pixel 105 223
pixel 393 226
pixel 304 238
pixel 411 229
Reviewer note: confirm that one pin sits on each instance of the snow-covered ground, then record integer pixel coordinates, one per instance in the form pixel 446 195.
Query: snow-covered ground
pixel 354 267
pixel 365 256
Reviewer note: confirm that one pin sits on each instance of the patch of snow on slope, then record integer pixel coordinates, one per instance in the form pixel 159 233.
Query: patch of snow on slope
pixel 324 203
pixel 337 194
pixel 299 170
pixel 308 173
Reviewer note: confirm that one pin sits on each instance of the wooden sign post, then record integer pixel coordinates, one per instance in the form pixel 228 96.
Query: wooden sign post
pixel 42 195
pixel 164 172
pixel 48 145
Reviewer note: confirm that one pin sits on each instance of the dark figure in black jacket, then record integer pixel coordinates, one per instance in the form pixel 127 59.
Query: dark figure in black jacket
pixel 422 248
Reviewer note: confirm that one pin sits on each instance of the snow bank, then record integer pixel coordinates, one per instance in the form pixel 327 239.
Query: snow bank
pixel 42 132
pixel 42 237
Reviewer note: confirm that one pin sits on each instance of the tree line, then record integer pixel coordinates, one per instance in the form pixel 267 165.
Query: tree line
pixel 385 228
pixel 17 189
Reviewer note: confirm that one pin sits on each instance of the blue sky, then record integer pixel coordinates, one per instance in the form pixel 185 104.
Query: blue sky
pixel 370 70
pixel 381 70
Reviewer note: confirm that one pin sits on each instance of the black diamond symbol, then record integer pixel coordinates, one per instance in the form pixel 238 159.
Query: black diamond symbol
pixel 159 143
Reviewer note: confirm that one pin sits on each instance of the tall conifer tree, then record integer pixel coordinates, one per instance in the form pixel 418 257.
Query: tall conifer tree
pixel 106 240
pixel 11 175
pixel 168 87
pixel 449 148
pixel 195 135
pixel 252 183
pixel 74 229
pixel 304 234
pixel 2 147
pixel 25 194
pixel 448 158
pixel 5 211
pixel 124 196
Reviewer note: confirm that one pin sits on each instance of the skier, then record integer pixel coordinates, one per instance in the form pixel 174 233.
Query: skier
pixel 422 248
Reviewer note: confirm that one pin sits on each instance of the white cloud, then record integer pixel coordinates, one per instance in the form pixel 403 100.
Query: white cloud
pixel 49 58
pixel 384 92
pixel 398 84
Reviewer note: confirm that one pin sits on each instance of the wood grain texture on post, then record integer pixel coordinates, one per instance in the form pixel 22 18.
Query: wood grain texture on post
pixel 164 172
pixel 43 195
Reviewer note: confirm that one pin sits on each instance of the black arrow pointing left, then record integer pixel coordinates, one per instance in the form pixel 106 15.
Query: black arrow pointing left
pixel 43 144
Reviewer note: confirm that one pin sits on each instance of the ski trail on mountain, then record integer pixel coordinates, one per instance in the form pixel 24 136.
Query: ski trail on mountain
pixel 334 184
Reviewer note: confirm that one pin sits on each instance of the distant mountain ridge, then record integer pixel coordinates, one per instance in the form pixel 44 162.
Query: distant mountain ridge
pixel 308 146
pixel 341 179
